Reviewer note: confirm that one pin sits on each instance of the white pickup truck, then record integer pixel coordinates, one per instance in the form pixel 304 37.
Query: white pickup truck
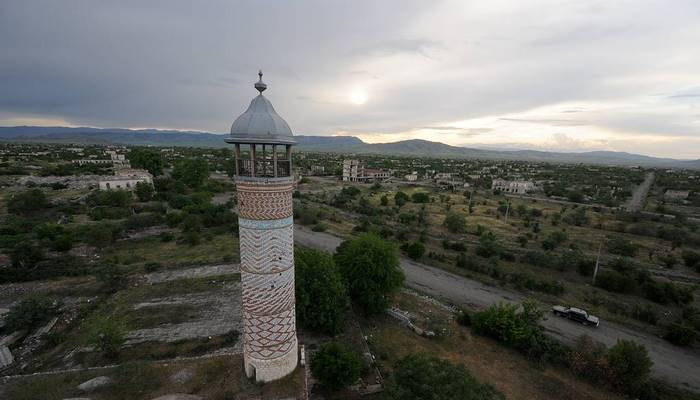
pixel 576 314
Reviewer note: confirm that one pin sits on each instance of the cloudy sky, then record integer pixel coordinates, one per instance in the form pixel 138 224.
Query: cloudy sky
pixel 556 75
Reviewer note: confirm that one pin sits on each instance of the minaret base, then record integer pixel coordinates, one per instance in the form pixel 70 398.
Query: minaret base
pixel 270 370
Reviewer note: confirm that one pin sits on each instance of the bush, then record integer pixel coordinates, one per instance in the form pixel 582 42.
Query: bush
pixel 400 198
pixel 691 258
pixel 517 329
pixel 613 281
pixel 321 296
pixel 144 220
pixel 425 377
pixel 98 235
pixel 112 277
pixel 455 223
pixel 152 266
pixel 621 246
pixel 108 335
pixel 144 191
pixel 415 250
pixel 488 247
pixel 27 202
pixel 26 254
pixel 667 292
pixel 370 267
pixel 420 197
pixel 553 240
pixel 680 334
pixel 30 313
pixel 587 360
pixel 630 365
pixel 464 318
pixel 336 366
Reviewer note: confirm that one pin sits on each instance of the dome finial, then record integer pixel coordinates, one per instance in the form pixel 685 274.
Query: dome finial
pixel 260 85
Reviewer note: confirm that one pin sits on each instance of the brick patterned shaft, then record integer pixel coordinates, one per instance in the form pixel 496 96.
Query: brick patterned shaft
pixel 267 275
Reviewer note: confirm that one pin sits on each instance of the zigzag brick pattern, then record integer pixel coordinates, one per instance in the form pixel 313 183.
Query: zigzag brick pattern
pixel 265 201
pixel 266 234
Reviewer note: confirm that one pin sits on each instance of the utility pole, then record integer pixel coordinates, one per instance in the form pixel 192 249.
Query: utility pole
pixel 507 210
pixel 597 262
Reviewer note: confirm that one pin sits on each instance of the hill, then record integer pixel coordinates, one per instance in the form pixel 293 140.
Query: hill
pixel 336 144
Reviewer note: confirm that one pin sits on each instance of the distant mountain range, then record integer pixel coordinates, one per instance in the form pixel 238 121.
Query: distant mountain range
pixel 336 144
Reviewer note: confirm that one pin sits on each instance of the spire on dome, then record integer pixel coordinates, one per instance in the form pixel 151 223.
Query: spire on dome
pixel 260 85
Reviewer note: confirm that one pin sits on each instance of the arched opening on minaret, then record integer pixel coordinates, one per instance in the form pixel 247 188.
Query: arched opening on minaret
pixel 264 160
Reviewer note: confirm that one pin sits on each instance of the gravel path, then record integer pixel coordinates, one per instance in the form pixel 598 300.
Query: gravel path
pixel 676 365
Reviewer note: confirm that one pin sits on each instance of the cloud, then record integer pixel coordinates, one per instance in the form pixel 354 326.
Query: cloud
pixel 506 71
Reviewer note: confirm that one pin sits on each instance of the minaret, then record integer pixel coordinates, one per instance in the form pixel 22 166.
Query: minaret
pixel 264 184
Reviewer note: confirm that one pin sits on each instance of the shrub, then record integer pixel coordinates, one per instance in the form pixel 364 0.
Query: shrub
pixel 587 359
pixel 488 247
pixel 415 250
pixel 425 377
pixel 321 296
pixel 613 281
pixel 667 292
pixel 630 365
pixel 420 197
pixel 112 277
pixel 27 202
pixel 108 335
pixel 29 313
pixel 152 266
pixel 690 258
pixel 400 198
pixel 26 254
pixel 621 246
pixel 455 223
pixel 553 240
pixel 518 329
pixel 680 334
pixel 336 366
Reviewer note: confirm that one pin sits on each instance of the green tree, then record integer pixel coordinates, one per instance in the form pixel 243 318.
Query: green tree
pixel 425 377
pixel 147 159
pixel 630 364
pixel 30 312
pixel 455 223
pixel 336 366
pixel 144 191
pixel 27 202
pixel 321 296
pixel 192 172
pixel 371 270
pixel 400 198
pixel 384 200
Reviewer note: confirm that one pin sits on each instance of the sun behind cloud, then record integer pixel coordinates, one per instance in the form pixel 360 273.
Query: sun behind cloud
pixel 358 96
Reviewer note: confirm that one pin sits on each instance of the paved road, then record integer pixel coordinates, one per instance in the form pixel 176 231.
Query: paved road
pixel 674 364
pixel 639 196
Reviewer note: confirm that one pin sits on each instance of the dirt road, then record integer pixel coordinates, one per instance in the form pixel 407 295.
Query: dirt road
pixel 639 196
pixel 674 364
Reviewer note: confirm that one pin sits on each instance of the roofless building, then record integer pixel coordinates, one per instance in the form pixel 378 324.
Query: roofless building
pixel 264 183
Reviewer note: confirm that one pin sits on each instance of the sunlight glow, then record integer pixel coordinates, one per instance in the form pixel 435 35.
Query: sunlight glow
pixel 358 97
